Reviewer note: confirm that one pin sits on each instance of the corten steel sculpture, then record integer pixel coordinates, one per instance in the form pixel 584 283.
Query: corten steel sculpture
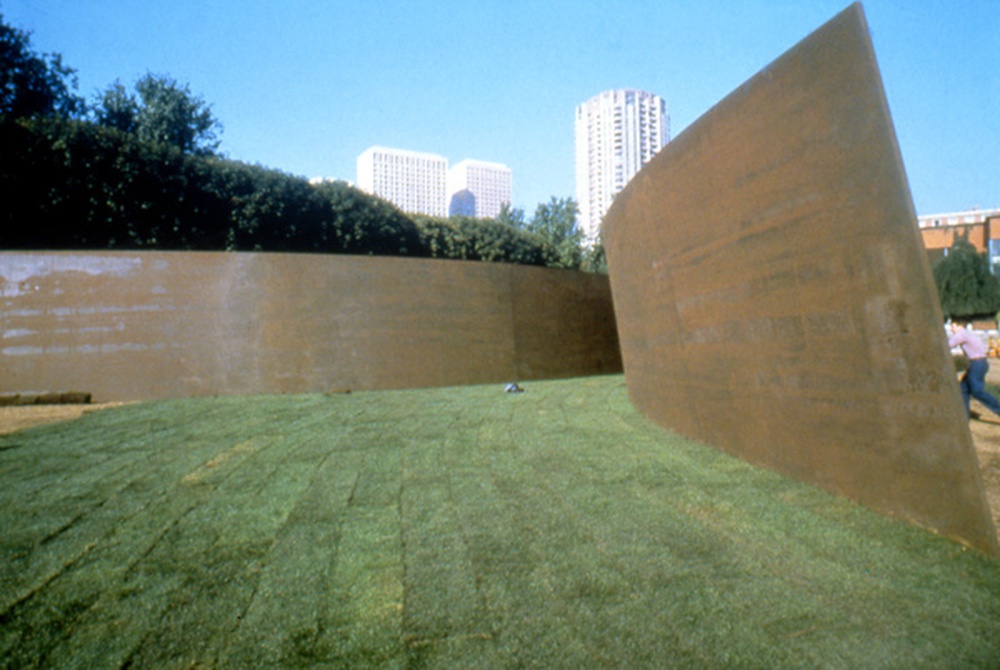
pixel 139 325
pixel 773 297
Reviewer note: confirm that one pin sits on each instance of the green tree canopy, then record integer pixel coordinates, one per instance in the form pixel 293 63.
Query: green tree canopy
pixel 595 259
pixel 72 184
pixel 117 108
pixel 161 111
pixel 511 216
pixel 555 222
pixel 33 84
pixel 965 285
pixel 465 238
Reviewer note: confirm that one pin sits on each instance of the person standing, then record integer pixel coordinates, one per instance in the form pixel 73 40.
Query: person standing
pixel 974 379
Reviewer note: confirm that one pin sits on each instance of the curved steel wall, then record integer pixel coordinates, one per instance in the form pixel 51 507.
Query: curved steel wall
pixel 158 324
pixel 774 299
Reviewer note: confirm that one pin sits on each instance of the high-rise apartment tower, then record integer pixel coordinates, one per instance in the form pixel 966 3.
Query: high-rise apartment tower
pixel 478 188
pixel 617 132
pixel 415 182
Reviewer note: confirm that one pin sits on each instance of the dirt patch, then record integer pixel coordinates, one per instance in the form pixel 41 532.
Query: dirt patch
pixel 19 417
pixel 986 437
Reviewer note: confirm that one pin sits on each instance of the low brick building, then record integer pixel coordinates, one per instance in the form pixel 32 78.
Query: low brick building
pixel 980 226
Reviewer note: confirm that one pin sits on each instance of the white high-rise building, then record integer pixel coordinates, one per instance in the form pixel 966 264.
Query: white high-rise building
pixel 478 188
pixel 415 182
pixel 617 132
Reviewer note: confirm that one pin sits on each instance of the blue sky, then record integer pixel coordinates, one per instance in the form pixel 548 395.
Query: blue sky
pixel 304 86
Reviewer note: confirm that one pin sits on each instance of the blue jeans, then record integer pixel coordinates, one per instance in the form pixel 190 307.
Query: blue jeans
pixel 974 384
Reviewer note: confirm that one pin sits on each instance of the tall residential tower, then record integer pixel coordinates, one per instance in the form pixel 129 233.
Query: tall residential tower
pixel 617 132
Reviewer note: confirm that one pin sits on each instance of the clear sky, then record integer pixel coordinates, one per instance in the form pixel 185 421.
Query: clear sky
pixel 305 86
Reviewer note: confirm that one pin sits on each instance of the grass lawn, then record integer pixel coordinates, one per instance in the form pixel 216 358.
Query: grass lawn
pixel 458 527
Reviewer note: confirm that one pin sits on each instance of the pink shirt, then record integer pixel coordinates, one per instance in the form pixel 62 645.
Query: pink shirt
pixel 971 344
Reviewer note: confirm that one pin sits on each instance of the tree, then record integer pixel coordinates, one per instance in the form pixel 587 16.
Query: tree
pixel 33 84
pixel 465 238
pixel 71 184
pixel 965 285
pixel 117 108
pixel 555 223
pixel 595 259
pixel 511 216
pixel 164 112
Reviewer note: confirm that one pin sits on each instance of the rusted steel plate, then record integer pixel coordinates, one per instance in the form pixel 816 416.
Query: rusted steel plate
pixel 150 325
pixel 773 297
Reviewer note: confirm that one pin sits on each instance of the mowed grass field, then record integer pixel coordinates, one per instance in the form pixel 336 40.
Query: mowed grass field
pixel 457 527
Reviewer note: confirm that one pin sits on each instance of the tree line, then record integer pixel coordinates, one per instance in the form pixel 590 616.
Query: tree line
pixel 139 168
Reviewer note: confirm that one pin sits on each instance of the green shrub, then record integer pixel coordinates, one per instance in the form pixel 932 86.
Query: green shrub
pixel 464 238
pixel 78 185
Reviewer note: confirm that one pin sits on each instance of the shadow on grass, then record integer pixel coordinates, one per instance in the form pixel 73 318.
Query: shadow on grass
pixel 447 527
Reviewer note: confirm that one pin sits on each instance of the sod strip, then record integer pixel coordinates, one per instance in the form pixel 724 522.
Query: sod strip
pixel 87 557
pixel 441 596
pixel 638 553
pixel 363 626
pixel 343 600
pixel 794 606
pixel 122 564
pixel 290 604
pixel 87 518
pixel 115 557
pixel 706 530
pixel 454 528
pixel 524 564
pixel 569 574
pixel 221 548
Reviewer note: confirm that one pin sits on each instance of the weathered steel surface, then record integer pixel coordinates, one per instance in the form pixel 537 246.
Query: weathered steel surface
pixel 773 297
pixel 148 325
